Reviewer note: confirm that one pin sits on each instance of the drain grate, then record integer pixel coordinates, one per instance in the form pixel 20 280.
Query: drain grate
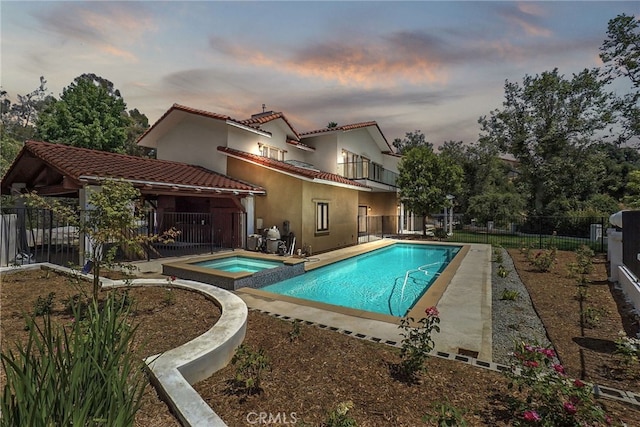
pixel 469 353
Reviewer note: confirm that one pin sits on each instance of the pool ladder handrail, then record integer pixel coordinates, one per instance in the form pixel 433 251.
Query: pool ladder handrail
pixel 406 276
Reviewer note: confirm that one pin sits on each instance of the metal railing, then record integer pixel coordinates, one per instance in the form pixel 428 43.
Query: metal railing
pixel 30 235
pixel 564 233
pixel 367 170
pixel 197 232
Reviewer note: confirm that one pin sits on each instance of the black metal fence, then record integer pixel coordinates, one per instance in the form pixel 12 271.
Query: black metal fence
pixel 30 235
pixel 197 233
pixel 36 235
pixel 563 232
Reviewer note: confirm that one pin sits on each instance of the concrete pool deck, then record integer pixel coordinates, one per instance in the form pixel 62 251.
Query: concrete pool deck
pixel 464 304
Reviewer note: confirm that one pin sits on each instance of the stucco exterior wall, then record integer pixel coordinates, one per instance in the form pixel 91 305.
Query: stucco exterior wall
pixel 293 199
pixel 380 203
pixel 390 162
pixel 194 140
pixel 243 140
pixel 325 156
pixel 283 199
pixel 360 142
pixel 343 214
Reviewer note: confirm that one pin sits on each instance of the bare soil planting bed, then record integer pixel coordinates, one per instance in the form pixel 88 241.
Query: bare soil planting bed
pixel 317 369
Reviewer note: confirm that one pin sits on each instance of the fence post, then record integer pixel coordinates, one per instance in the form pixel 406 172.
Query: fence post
pixel 50 234
pixel 150 226
pixel 540 232
pixel 602 231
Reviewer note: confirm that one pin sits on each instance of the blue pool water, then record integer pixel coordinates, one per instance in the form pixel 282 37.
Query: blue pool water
pixel 388 280
pixel 237 264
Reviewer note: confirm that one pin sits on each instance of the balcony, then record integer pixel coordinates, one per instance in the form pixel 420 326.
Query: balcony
pixel 368 172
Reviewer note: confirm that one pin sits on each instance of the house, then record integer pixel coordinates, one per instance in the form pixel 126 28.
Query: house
pixel 218 179
pixel 317 183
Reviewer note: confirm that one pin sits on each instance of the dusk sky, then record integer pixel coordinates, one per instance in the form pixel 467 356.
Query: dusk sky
pixel 432 66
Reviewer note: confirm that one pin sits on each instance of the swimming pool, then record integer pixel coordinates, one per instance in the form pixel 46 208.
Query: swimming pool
pixel 387 281
pixel 235 264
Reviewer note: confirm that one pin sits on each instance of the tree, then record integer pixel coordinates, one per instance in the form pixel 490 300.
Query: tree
pixel 18 118
pixel 139 124
pixel 550 124
pixel 619 162
pixel 410 140
pixel 425 179
pixel 620 54
pixel 107 224
pixel 332 125
pixel 91 113
pixel 488 190
pixel 16 121
pixel 632 199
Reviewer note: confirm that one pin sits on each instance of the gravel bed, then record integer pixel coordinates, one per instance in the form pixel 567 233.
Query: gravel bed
pixel 514 320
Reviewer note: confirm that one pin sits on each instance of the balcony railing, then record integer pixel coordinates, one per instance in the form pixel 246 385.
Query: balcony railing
pixel 367 170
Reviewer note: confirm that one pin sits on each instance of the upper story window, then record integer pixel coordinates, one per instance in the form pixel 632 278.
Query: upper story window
pixel 271 152
pixel 354 166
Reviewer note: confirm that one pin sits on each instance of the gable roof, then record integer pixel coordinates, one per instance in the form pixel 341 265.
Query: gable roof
pixel 353 126
pixel 259 119
pixel 297 171
pixel 65 168
pixel 177 108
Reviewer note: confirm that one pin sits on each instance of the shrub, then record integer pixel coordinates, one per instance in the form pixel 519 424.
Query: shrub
pixel 417 342
pixel 583 293
pixel 591 316
pixel 44 305
pixel 169 297
pixel 249 367
pixel 440 233
pixel 628 348
pixel 509 295
pixel 447 415
pixel 498 257
pixel 339 417
pixel 83 376
pixel 583 265
pixel 295 331
pixel 547 397
pixel 502 271
pixel 544 260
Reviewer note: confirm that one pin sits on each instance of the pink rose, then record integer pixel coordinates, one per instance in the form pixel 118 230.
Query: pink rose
pixel 531 364
pixel 432 312
pixel 531 416
pixel 569 408
pixel 578 383
pixel 559 369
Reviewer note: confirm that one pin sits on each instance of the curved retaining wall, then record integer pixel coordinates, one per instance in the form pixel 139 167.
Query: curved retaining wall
pixel 173 371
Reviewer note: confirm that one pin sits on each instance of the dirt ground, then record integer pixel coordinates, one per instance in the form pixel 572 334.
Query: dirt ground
pixel 313 370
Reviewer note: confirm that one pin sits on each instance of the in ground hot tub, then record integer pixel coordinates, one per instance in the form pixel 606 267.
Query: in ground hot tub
pixel 233 271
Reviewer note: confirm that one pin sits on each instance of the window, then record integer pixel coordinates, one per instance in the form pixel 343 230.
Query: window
pixel 355 166
pixel 322 217
pixel 271 152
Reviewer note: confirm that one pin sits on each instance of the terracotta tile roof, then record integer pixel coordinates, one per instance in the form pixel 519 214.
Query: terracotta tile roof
pixel 300 145
pixel 203 113
pixel 77 163
pixel 350 127
pixel 343 128
pixel 313 174
pixel 259 119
